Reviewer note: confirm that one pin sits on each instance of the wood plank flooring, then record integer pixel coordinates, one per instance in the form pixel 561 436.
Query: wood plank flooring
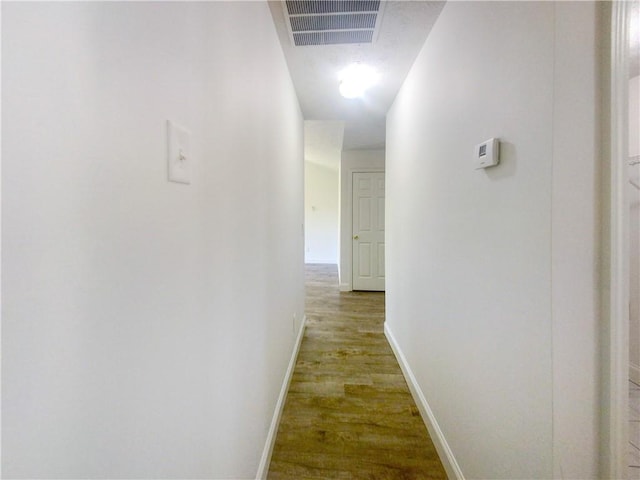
pixel 349 413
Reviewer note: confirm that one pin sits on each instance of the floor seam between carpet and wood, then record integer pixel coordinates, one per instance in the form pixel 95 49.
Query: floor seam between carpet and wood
pixel 348 412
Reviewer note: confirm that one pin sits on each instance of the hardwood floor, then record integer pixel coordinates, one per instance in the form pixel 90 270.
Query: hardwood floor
pixel 349 413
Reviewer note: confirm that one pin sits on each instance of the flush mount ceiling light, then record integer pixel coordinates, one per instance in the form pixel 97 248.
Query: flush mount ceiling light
pixel 356 79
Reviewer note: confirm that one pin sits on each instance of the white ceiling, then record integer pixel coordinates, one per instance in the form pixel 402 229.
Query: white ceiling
pixel 314 70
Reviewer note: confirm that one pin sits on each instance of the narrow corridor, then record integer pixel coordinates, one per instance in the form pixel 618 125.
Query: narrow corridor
pixel 349 413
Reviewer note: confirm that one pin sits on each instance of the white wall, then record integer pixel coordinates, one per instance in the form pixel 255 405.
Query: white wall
pixel 634 230
pixel 352 161
pixel 147 325
pixel 321 214
pixel 634 116
pixel 485 298
pixel 575 239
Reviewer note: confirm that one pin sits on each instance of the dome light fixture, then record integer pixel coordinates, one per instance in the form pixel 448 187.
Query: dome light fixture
pixel 356 79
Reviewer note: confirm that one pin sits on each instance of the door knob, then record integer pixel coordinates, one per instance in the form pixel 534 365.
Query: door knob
pixel 356 237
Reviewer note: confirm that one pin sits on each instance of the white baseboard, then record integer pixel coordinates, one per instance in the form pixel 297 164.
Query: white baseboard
pixel 263 468
pixel 345 287
pixel 446 455
pixel 634 373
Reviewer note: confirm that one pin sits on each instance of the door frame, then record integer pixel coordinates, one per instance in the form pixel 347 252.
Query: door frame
pixel 616 255
pixel 346 254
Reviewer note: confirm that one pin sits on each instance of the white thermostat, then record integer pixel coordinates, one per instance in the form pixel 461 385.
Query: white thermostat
pixel 487 154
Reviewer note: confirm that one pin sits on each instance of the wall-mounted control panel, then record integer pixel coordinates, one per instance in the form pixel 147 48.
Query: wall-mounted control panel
pixel 178 153
pixel 487 154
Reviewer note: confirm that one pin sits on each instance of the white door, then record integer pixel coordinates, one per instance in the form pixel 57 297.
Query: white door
pixel 368 231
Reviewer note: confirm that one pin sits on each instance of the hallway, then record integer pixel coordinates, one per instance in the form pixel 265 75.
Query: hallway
pixel 349 413
pixel 154 238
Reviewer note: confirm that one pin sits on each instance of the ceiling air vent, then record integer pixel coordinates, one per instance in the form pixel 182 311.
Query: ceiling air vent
pixel 333 22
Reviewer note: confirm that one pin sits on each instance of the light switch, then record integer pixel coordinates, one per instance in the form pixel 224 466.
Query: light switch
pixel 179 153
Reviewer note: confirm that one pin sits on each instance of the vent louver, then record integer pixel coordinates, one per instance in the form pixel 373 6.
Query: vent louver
pixel 333 22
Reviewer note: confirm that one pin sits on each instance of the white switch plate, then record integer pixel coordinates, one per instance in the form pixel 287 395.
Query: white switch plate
pixel 178 153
